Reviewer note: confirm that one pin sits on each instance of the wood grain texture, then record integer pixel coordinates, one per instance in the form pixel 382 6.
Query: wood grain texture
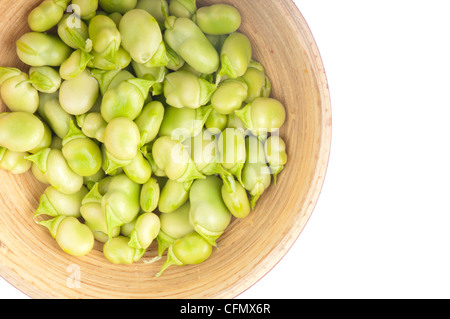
pixel 32 261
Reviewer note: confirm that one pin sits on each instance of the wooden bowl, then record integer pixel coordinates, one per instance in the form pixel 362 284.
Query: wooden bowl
pixel 31 260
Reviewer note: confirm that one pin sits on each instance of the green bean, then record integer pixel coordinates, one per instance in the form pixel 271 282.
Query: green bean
pixel 57 171
pixel 71 235
pixel 145 230
pixel 208 215
pixel 39 49
pixel 275 151
pixel 121 202
pixel 174 226
pixel 117 251
pixel 263 115
pixel 235 55
pixel 149 197
pixel 45 79
pixel 149 121
pixel 183 123
pixel 88 8
pixel 155 8
pixel 190 250
pixel 54 203
pixel 21 131
pixel 75 33
pixel 171 157
pixel 78 95
pixel 229 96
pixel 184 89
pixel 122 138
pixel 183 8
pixel 258 82
pixel 125 100
pixel 256 175
pixel 14 162
pixel 187 40
pixel 218 19
pixel 92 125
pixel 47 15
pixel 141 35
pixel 19 95
pixel 121 6
pixel 173 195
pixel 75 64
pixel 82 154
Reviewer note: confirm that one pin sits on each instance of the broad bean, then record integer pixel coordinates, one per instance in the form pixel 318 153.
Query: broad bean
pixel 14 162
pixel 19 95
pixel 146 229
pixel 21 131
pixel 121 202
pixel 92 125
pixel 256 175
pixel 72 236
pixel 229 96
pixel 75 64
pixel 74 32
pixel 47 15
pixel 88 8
pixel 185 89
pixel 235 55
pixel 45 79
pixel 187 40
pixel 78 95
pixel 149 121
pixel 173 195
pixel 141 35
pixel 208 214
pixel 149 197
pixel 258 82
pixel 184 123
pixel 218 19
pixel 155 8
pixel 174 226
pixel 125 100
pixel 55 203
pixel 82 154
pixel 122 138
pixel 263 115
pixel 172 157
pixel 117 251
pixel 192 249
pixel 121 6
pixel 40 49
pixel 183 8
pixel 57 171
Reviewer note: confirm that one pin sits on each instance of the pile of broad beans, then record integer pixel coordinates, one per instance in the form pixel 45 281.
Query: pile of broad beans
pixel 148 120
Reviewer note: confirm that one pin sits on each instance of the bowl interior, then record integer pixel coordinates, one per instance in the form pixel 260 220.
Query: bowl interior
pixel 32 261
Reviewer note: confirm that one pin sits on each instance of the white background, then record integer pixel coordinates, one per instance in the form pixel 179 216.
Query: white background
pixel 381 227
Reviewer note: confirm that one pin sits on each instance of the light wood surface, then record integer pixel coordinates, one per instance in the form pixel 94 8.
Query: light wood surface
pixel 32 261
